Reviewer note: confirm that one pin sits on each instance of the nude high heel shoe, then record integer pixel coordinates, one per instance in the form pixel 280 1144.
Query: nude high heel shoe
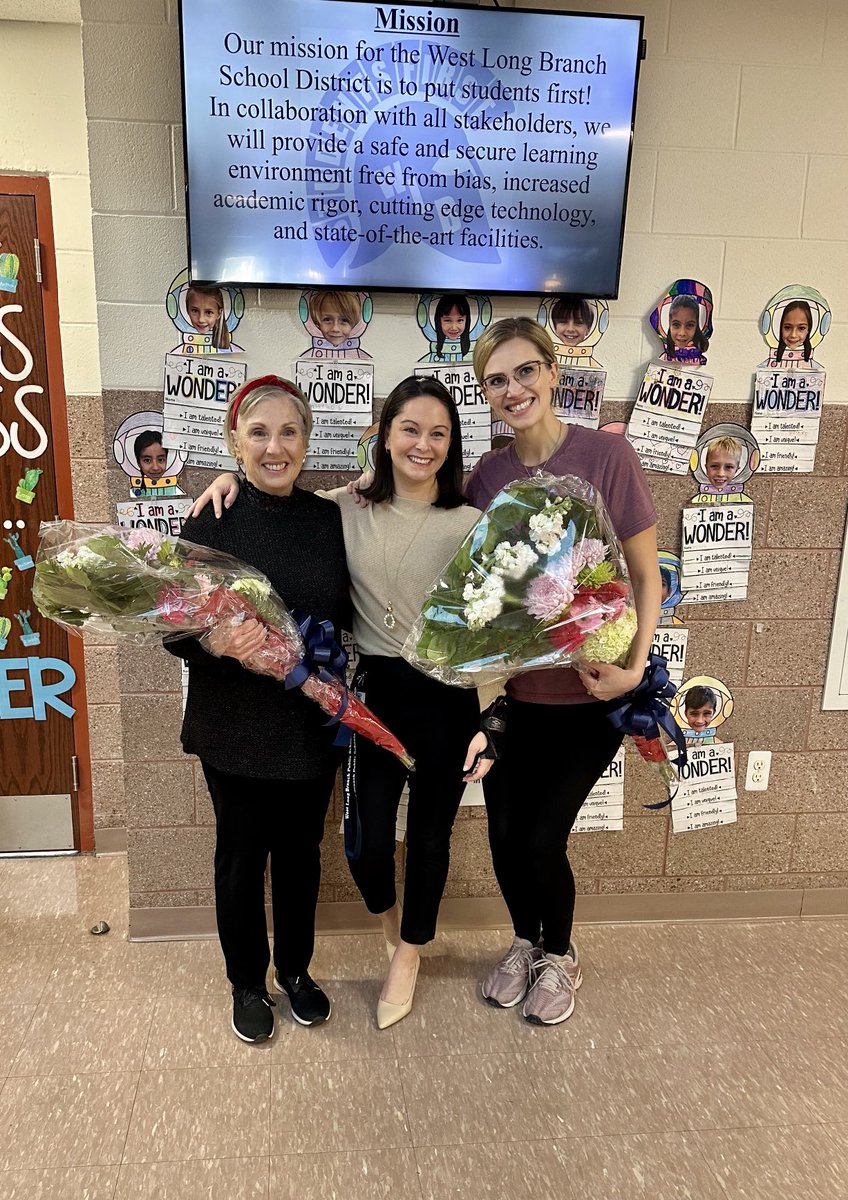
pixel 389 1014
pixel 392 946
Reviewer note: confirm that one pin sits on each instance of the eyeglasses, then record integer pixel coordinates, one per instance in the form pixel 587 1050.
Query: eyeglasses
pixel 525 376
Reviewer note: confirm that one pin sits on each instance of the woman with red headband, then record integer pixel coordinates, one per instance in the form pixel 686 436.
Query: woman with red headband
pixel 395 548
pixel 266 752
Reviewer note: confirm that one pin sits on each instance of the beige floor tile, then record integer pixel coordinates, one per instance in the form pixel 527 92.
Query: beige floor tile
pixel 351 1033
pixel 65 1120
pixel 205 1179
pixel 220 1113
pixel 368 1175
pixel 726 1087
pixel 15 1020
pixel 819 1070
pixel 451 1017
pixel 100 969
pixel 60 1183
pixel 58 900
pixel 196 968
pixel 99 1035
pixel 25 970
pixel 494 1171
pixel 195 1032
pixel 348 957
pixel 601 1092
pixel 470 1099
pixel 667 1166
pixel 337 1106
pixel 801 1163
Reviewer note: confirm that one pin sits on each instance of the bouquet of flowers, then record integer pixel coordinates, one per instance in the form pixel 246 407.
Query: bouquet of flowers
pixel 145 588
pixel 539 582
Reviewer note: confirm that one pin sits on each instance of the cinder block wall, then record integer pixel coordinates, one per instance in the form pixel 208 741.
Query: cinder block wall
pixel 739 179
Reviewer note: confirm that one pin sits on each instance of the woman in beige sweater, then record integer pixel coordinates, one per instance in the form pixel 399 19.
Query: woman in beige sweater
pixel 396 547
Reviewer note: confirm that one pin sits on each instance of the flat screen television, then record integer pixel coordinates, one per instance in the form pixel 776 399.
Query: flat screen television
pixel 336 143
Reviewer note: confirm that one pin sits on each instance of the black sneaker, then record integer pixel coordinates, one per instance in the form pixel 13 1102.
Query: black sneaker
pixel 309 1004
pixel 253 1020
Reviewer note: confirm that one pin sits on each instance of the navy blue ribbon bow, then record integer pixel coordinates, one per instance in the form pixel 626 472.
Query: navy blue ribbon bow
pixel 644 711
pixel 324 657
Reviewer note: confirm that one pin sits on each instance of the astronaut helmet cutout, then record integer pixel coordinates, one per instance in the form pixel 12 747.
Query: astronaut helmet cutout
pixel 576 325
pixel 702 704
pixel 793 323
pixel 725 457
pixel 672 592
pixel 365 448
pixel 139 452
pixel 452 322
pixel 205 315
pixel 335 321
pixel 683 321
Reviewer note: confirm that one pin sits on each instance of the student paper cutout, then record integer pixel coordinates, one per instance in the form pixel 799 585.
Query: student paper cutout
pixel 135 438
pixel 683 321
pixel 475 415
pixel 452 322
pixel 789 385
pixel 335 322
pixel 665 423
pixel 365 448
pixel 718 542
pixel 724 459
pixel 701 706
pixel 603 809
pixel 706 795
pixel 793 323
pixel 672 592
pixel 205 317
pixel 341 396
pixel 196 393
pixel 576 325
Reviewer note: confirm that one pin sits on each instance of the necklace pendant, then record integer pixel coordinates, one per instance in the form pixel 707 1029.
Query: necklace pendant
pixel 389 616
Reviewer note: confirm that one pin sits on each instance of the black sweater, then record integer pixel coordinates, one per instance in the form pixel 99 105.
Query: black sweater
pixel 247 724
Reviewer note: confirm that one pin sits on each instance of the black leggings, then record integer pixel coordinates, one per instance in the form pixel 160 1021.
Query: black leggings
pixel 435 723
pixel 256 818
pixel 553 756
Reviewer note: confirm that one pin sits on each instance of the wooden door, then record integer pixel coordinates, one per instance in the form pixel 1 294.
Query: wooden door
pixel 43 732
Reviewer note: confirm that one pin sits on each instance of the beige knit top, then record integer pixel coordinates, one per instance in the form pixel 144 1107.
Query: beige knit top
pixel 395 551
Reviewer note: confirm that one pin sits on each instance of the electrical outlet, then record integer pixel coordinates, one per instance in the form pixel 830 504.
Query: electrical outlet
pixel 759 765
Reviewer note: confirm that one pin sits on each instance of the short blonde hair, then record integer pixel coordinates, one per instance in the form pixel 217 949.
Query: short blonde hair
pixel 245 399
pixel 506 330
pixel 726 445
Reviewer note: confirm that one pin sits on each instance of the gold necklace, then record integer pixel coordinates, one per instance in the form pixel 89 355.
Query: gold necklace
pixel 561 436
pixel 389 619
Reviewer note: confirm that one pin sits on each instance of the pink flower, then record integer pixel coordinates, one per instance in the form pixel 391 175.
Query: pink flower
pixel 551 592
pixel 147 539
pixel 590 552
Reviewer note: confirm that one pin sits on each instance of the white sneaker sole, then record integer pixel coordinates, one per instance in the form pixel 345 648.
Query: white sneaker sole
pixel 498 1004
pixel 534 1020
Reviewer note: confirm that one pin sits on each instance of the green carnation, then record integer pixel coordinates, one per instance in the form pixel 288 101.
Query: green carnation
pixel 612 641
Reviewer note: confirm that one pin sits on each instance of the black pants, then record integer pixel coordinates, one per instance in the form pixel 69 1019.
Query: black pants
pixel 435 723
pixel 256 818
pixel 553 756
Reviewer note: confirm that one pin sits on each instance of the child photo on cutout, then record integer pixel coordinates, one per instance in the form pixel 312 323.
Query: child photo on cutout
pixel 335 320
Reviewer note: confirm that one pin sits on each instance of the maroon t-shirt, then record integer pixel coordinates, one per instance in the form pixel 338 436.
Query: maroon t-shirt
pixel 609 462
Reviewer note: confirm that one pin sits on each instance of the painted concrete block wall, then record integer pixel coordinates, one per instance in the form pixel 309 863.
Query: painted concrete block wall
pixel 739 179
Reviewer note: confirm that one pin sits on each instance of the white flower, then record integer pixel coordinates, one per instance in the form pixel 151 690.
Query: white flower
pixel 546 530
pixel 484 602
pixel 83 557
pixel 513 562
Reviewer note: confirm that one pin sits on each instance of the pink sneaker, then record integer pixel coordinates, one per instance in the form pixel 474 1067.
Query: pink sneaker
pixel 555 980
pixel 507 983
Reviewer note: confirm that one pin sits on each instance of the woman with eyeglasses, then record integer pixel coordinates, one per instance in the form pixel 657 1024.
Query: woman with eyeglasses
pixel 532 795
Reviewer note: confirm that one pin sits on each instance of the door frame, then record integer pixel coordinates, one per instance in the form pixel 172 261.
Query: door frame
pixel 38 186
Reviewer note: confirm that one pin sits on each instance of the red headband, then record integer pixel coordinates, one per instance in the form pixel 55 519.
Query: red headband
pixel 252 385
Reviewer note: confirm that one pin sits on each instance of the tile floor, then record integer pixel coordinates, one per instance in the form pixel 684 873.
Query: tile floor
pixel 703 1062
